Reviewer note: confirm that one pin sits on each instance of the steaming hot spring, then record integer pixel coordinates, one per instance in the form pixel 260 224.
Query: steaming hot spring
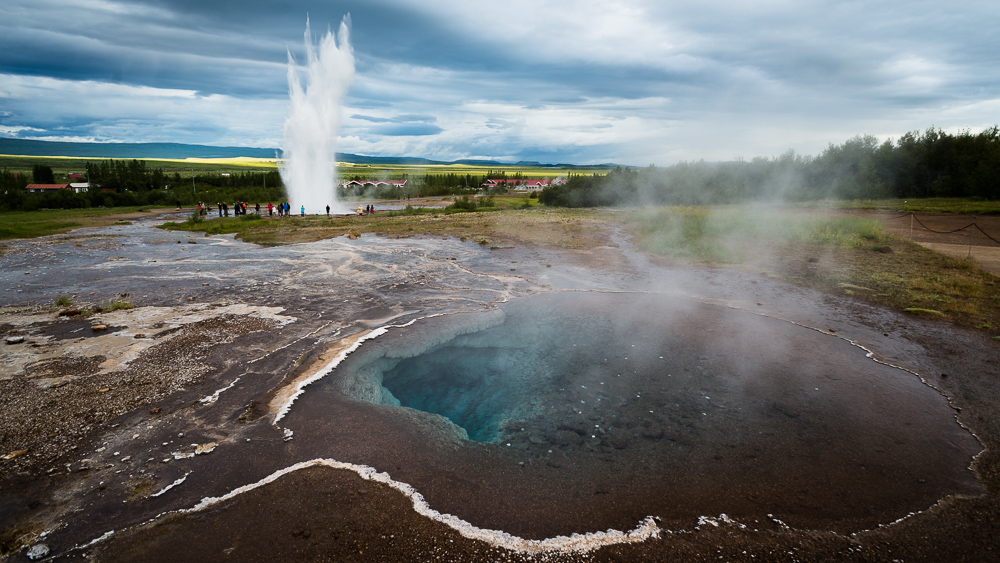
pixel 579 411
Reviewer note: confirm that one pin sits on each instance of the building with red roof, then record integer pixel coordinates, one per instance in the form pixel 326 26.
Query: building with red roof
pixel 524 184
pixel 376 183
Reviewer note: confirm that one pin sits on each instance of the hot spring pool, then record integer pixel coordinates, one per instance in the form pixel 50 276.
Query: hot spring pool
pixel 665 405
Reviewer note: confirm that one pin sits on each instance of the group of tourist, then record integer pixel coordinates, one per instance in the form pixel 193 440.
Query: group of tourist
pixel 242 208
pixel 282 209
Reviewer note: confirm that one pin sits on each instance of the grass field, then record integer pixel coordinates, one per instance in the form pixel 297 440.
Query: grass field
pixel 64 165
pixel 925 205
pixel 30 224
pixel 515 219
pixel 846 255
pixel 348 170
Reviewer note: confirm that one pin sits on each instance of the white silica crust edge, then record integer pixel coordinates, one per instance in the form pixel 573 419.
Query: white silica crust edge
pixel 574 543
pixel 322 372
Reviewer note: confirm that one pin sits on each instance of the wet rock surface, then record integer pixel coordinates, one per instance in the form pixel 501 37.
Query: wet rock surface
pixel 102 422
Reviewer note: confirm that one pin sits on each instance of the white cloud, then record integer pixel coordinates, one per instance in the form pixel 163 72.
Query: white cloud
pixel 635 81
pixel 560 31
pixel 14 130
pixel 117 112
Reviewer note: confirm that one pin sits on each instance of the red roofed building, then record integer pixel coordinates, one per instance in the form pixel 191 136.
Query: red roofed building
pixel 529 184
pixel 46 188
pixel 367 183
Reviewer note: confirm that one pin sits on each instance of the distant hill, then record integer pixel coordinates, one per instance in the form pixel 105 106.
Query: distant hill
pixel 25 147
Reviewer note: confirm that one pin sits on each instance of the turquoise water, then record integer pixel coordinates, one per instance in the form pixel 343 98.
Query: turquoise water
pixel 475 387
pixel 661 400
pixel 663 378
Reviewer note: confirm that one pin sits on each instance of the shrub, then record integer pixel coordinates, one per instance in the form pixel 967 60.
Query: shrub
pixel 462 204
pixel 116 304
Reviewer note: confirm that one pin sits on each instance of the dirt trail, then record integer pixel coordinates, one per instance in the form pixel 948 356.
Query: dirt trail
pixel 954 235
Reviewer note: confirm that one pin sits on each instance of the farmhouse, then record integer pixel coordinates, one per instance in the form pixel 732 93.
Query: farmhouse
pixel 46 188
pixel 524 184
pixel 80 187
pixel 373 183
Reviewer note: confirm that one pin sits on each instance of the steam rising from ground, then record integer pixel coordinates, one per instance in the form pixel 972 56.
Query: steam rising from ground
pixel 309 167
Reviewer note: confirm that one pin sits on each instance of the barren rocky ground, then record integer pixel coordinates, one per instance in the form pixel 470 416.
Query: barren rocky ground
pixel 111 436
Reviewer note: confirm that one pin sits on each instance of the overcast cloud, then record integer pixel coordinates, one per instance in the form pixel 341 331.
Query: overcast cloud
pixel 581 81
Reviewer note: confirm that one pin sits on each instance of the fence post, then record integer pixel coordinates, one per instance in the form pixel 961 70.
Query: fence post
pixel 971 235
pixel 911 226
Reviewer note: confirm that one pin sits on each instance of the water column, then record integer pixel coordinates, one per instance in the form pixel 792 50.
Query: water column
pixel 309 145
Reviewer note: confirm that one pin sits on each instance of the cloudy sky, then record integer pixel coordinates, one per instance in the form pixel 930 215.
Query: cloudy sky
pixel 581 81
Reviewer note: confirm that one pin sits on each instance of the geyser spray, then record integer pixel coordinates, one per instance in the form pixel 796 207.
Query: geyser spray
pixel 309 166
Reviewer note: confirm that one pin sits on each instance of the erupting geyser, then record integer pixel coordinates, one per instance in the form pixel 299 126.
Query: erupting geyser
pixel 308 149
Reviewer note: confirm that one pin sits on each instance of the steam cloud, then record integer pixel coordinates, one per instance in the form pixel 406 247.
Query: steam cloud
pixel 309 167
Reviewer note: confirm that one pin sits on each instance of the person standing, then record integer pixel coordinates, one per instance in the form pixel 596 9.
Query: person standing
pixel 327 210
pixel 303 210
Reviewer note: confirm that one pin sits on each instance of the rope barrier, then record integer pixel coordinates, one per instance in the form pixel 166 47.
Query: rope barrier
pixel 987 234
pixel 941 232
pixel 974 226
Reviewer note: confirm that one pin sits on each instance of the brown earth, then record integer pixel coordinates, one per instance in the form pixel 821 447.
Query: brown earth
pixel 954 235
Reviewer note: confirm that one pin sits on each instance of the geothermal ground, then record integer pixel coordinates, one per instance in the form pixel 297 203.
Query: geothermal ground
pixel 316 402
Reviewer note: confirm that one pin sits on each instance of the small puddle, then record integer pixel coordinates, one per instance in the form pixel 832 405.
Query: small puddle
pixel 75 327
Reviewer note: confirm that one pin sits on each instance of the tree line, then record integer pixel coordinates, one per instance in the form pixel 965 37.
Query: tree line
pixel 929 164
pixel 118 183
